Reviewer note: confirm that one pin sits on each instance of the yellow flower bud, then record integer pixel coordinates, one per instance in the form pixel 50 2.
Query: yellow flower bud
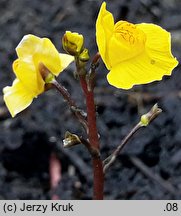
pixel 73 43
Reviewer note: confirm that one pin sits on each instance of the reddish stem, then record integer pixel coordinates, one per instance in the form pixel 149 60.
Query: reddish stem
pixel 94 141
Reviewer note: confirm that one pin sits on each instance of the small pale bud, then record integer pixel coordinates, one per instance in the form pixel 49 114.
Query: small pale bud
pixel 144 120
pixel 84 56
pixel 73 43
pixel 150 116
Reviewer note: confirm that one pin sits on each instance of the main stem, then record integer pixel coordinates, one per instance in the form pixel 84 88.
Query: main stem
pixel 98 175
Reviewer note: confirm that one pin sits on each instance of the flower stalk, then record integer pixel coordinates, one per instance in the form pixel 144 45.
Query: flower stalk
pixel 73 107
pixel 98 175
pixel 145 120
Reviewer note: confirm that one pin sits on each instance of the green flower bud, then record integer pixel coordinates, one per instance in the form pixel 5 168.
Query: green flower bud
pixel 84 56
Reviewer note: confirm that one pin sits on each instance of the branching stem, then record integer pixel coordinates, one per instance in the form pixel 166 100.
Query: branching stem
pixel 108 162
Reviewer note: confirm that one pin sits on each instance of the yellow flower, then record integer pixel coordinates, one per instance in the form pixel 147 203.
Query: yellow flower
pixel 29 83
pixel 134 54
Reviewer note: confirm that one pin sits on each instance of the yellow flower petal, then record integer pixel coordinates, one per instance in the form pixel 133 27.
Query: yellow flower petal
pixel 65 61
pixel 158 45
pixel 139 70
pixel 104 31
pixel 34 50
pixel 16 97
pixel 49 56
pixel 29 45
pixel 127 41
pixel 29 76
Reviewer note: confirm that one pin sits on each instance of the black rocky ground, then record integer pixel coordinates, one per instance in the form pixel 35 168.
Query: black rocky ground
pixel 27 141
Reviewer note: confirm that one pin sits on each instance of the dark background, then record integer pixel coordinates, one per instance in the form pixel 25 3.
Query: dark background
pixel 150 165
